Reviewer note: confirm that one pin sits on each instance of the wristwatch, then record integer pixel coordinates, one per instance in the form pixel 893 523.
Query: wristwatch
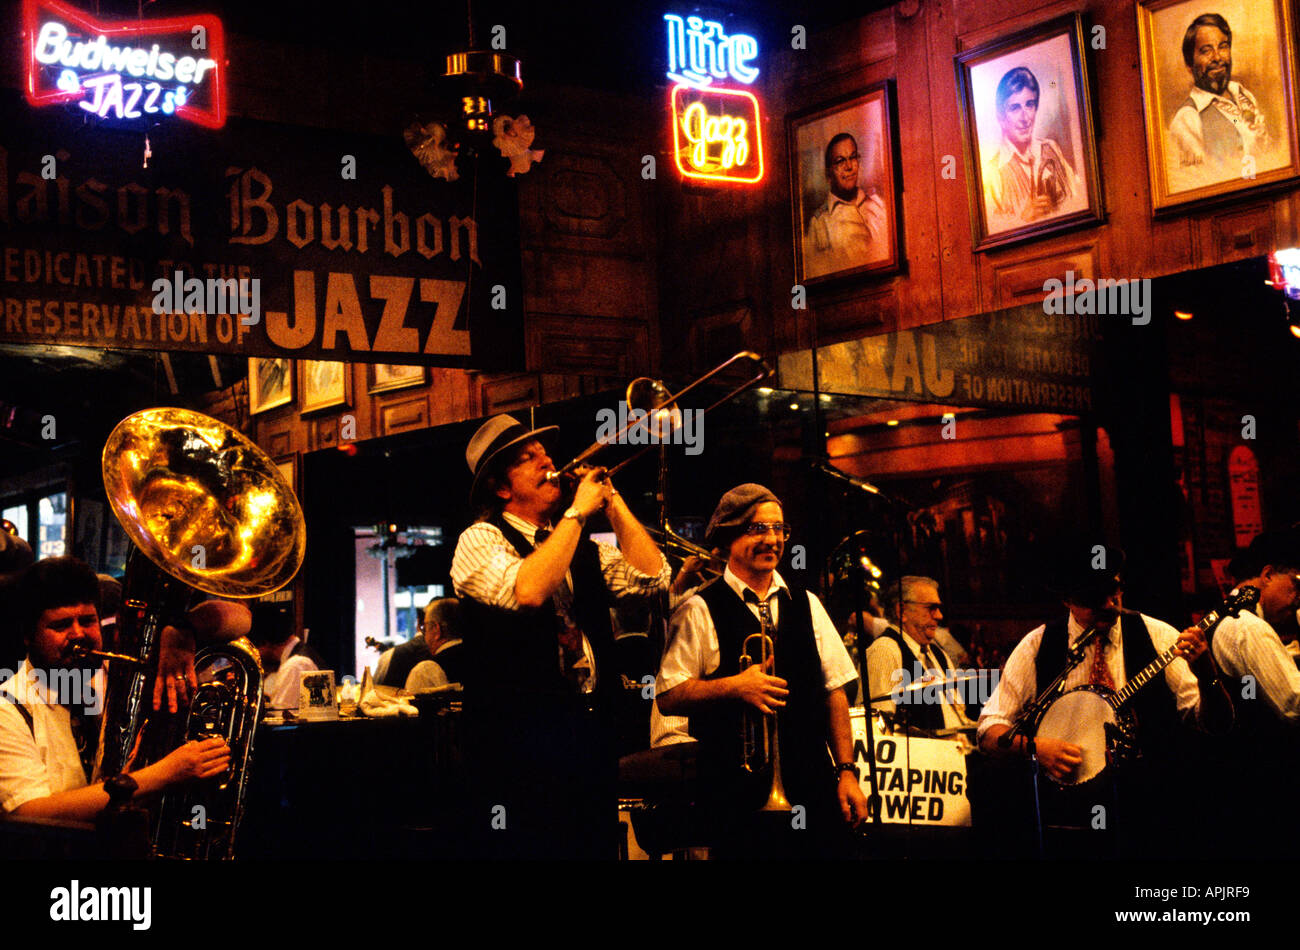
pixel 577 516
pixel 120 788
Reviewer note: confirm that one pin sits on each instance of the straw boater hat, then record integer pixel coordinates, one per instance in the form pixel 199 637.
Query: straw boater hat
pixel 497 436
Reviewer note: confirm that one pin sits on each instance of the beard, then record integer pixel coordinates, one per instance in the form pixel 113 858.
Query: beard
pixel 1217 85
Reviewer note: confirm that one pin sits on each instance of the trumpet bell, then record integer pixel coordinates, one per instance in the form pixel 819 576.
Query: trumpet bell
pixel 203 503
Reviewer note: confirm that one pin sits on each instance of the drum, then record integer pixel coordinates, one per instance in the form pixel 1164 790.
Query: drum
pixel 1080 716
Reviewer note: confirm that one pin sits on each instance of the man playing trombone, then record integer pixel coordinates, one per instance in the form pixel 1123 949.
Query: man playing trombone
pixel 798 687
pixel 538 687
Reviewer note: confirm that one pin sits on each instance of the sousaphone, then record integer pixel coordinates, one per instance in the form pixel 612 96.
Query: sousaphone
pixel 206 510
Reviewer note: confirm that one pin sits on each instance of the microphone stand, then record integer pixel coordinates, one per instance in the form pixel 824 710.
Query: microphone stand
pixel 874 800
pixel 1030 717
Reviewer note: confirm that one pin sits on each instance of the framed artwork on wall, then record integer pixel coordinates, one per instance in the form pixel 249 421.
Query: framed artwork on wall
pixel 270 383
pixel 844 185
pixel 1031 154
pixel 1218 88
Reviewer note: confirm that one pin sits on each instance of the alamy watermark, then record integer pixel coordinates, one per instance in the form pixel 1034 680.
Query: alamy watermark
pixel 65 687
pixel 631 426
pixel 215 295
pixel 922 687
pixel 85 903
pixel 1105 296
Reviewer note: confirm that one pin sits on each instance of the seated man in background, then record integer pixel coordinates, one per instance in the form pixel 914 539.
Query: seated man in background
pixel 284 656
pixel 441 629
pixel 49 709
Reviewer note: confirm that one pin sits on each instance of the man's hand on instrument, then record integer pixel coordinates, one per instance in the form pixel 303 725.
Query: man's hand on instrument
pixel 690 575
pixel 1190 645
pixel 764 692
pixel 175 676
pixel 593 492
pixel 197 759
pixel 1058 757
pixel 853 804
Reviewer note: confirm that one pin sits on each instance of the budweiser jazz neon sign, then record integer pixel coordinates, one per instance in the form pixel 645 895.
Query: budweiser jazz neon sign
pixel 125 69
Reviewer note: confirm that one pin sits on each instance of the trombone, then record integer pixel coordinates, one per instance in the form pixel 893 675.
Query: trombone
pixel 670 542
pixel 657 410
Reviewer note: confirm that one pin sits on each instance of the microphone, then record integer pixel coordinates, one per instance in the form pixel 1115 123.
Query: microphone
pixel 828 469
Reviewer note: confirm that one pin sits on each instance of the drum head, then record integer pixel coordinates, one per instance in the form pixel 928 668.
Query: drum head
pixel 1080 716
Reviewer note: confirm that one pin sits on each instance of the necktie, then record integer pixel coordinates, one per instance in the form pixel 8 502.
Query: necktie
pixel 1100 675
pixel 572 658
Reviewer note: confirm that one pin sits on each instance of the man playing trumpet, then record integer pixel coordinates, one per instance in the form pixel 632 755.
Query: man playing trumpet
pixel 802 691
pixel 538 641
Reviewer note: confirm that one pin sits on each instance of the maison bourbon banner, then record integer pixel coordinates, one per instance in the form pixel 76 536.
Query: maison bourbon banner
pixel 260 240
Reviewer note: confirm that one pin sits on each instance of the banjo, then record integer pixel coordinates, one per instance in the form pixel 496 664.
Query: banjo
pixel 1097 719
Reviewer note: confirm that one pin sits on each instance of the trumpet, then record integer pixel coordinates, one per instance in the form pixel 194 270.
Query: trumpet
pixel 759 755
pixel 653 407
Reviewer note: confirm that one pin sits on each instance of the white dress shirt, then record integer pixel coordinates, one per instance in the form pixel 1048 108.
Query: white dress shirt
pixel 283 685
pixel 885 660
pixel 1018 684
pixel 845 234
pixel 1247 645
pixel 693 651
pixel 42 760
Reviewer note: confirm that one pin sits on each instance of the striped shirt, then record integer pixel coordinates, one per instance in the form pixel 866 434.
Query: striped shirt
pixel 486 565
pixel 1246 645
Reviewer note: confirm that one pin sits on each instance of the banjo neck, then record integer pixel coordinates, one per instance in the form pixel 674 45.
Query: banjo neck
pixel 1243 598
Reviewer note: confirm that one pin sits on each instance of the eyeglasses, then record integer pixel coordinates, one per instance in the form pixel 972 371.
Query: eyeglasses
pixel 844 160
pixel 933 608
pixel 760 528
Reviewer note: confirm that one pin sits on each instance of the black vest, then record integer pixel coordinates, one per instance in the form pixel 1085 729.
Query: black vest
pixel 405 656
pixel 917 712
pixel 1154 706
pixel 452 662
pixel 511 657
pixel 805 762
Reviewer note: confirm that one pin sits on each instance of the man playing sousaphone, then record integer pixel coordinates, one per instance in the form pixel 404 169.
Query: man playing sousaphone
pixel 1088 579
pixel 802 690
pixel 48 731
pixel 536 593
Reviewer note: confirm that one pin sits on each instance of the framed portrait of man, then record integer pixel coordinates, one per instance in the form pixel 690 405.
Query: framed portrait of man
pixel 844 187
pixel 1031 155
pixel 1219 86
pixel 325 384
pixel 270 383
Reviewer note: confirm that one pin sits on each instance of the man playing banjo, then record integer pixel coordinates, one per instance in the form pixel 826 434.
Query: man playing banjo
pixel 1089 582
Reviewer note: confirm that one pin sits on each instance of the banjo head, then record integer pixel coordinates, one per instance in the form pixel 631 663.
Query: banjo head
pixel 1080 716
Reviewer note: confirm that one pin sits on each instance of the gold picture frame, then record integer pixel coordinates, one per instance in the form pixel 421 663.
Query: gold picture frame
pixel 270 383
pixel 1198 152
pixel 326 384
pixel 386 377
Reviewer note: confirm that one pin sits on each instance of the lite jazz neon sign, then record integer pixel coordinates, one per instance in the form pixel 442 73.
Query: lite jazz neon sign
pixel 716 134
pixel 700 52
pixel 126 69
